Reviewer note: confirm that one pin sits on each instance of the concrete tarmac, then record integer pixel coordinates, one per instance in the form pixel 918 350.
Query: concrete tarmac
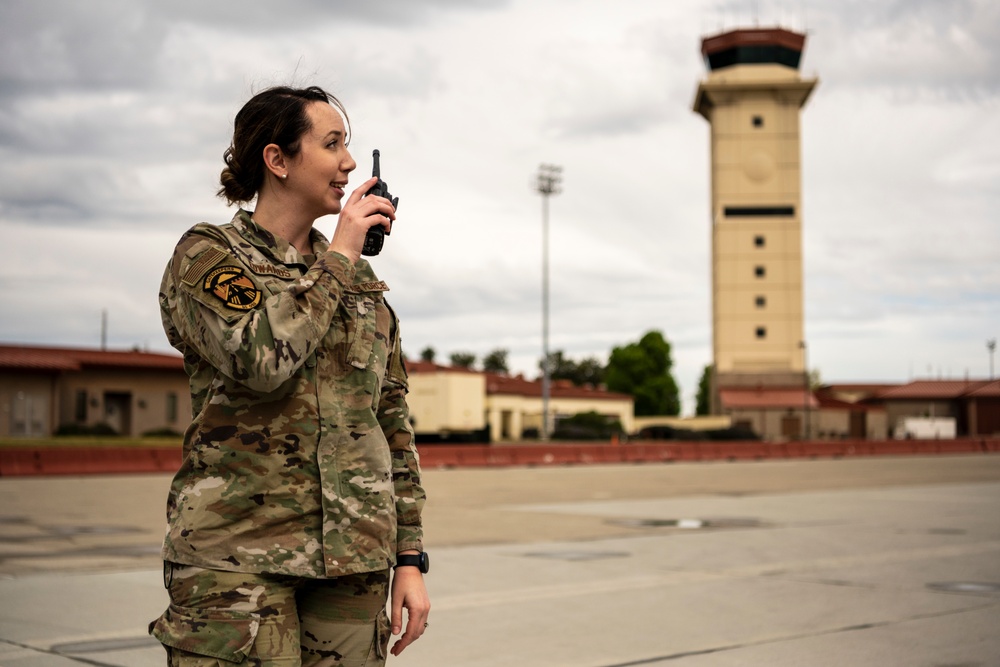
pixel 868 561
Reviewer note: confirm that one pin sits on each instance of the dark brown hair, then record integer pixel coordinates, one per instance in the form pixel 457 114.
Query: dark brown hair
pixel 273 116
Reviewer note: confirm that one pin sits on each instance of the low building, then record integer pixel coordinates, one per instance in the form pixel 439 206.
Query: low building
pixel 973 404
pixel 514 406
pixel 45 389
pixel 837 419
pixel 457 404
pixel 446 403
pixel 774 413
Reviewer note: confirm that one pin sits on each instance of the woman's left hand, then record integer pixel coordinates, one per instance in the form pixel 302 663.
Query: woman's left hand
pixel 408 591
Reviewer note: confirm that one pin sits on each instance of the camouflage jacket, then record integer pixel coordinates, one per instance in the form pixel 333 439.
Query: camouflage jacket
pixel 300 459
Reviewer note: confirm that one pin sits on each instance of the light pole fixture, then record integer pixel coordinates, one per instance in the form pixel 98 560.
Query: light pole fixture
pixel 549 180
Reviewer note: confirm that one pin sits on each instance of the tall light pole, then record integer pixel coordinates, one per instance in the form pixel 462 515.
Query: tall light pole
pixel 991 346
pixel 549 179
pixel 807 390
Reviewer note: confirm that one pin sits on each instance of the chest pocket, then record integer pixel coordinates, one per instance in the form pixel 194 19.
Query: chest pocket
pixel 368 322
pixel 365 327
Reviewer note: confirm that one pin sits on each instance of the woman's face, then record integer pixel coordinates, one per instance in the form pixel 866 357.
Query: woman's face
pixel 317 176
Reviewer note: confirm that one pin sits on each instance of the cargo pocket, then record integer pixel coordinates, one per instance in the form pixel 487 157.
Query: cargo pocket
pixel 382 634
pixel 217 633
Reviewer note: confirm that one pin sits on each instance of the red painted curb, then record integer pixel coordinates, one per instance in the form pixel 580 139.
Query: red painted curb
pixel 95 460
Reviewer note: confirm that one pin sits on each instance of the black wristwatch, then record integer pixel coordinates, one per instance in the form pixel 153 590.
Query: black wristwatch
pixel 419 561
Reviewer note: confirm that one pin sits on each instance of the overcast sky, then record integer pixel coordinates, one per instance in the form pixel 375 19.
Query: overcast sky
pixel 114 116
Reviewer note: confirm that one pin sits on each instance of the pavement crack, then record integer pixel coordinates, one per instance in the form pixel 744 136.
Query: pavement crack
pixel 774 640
pixel 45 651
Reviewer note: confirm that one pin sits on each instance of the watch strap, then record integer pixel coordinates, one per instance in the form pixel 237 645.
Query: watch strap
pixel 420 561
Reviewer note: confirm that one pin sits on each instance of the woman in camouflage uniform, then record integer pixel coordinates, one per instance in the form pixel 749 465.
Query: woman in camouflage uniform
pixel 300 483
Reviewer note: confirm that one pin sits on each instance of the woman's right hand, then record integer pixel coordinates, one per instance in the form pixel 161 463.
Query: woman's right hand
pixel 358 215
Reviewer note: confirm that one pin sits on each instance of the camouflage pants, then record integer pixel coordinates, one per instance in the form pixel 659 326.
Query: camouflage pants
pixel 222 618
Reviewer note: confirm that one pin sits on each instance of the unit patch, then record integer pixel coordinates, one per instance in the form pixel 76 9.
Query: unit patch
pixel 230 285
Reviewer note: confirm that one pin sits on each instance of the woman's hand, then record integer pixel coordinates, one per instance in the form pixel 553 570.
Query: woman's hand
pixel 358 215
pixel 408 591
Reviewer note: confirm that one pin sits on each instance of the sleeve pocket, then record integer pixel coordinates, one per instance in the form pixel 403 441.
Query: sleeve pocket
pixel 217 633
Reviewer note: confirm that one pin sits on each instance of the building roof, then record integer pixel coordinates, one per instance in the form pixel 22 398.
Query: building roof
pixel 418 366
pixel 744 37
pixel 62 359
pixel 517 385
pixel 827 401
pixel 766 397
pixel 989 390
pixel 940 390
pixel 859 387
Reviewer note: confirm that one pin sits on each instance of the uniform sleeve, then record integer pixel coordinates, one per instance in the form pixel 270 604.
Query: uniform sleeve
pixel 260 346
pixel 394 418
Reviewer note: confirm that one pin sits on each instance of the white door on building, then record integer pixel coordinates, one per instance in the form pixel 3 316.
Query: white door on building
pixel 29 414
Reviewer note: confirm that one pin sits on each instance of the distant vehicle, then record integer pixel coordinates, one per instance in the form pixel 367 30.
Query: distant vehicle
pixel 925 428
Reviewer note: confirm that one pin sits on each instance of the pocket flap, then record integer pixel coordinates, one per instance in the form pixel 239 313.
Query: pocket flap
pixel 218 633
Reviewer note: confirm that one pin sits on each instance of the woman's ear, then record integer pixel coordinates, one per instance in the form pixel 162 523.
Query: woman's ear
pixel 274 161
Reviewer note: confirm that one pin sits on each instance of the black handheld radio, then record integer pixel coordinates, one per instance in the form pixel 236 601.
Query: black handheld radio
pixel 376 235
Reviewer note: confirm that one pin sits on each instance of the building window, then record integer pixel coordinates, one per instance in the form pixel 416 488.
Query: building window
pixel 758 211
pixel 758 121
pixel 758 241
pixel 760 301
pixel 171 407
pixel 80 411
pixel 761 332
pixel 759 271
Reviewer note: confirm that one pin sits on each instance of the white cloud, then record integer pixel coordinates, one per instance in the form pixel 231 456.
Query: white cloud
pixel 113 119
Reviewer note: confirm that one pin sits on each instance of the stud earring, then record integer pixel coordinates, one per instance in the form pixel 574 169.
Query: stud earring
pixel 284 175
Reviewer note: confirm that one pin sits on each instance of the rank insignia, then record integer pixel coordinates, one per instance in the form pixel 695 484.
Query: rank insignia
pixel 230 285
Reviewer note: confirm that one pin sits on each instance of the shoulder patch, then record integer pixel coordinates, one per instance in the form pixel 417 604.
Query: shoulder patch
pixel 208 259
pixel 232 287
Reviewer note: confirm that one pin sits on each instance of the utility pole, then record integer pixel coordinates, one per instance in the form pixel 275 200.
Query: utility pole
pixel 991 346
pixel 549 180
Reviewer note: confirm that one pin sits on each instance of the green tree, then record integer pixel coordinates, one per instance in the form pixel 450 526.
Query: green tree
pixel 496 362
pixel 427 354
pixel 463 359
pixel 643 370
pixel 587 371
pixel 703 402
pixel 560 367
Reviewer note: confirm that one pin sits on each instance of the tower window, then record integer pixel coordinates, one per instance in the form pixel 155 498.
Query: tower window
pixel 760 301
pixel 758 121
pixel 761 332
pixel 759 271
pixel 758 211
pixel 758 241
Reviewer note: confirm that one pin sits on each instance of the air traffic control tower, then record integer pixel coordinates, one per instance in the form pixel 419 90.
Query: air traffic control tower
pixel 751 98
